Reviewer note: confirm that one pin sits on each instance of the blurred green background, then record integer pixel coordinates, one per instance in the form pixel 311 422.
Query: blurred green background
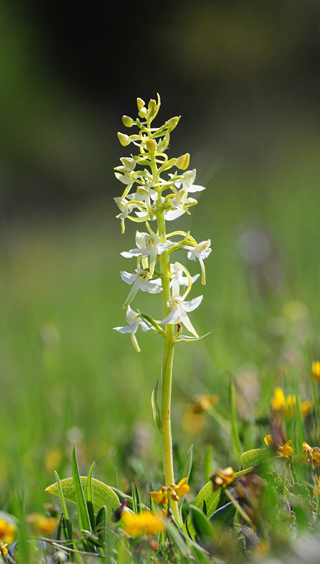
pixel 245 78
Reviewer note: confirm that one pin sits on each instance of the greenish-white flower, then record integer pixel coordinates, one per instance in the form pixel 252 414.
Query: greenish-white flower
pixel 178 314
pixel 134 322
pixel 140 281
pixel 148 245
pixel 178 278
pixel 201 251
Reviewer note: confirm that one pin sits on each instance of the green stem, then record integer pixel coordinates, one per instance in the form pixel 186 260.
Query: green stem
pixel 167 365
pixel 166 375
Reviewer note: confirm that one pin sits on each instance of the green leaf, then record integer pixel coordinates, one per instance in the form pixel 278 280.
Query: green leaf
pixel 173 532
pixel 67 526
pixel 187 339
pixel 102 494
pixel 202 525
pixel 155 407
pixel 254 457
pixel 223 515
pixel 187 465
pixel 83 516
pixel 90 497
pixel 209 497
pixel 234 424
pixel 101 523
pixel 136 498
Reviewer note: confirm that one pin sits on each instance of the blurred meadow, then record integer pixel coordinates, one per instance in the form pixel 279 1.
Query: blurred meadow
pixel 245 78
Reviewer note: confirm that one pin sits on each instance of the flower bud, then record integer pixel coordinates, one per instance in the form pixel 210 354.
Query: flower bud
pixel 143 112
pixel 151 145
pixel 128 162
pixel 140 103
pixel 124 139
pixel 152 108
pixel 183 161
pixel 172 123
pixel 127 121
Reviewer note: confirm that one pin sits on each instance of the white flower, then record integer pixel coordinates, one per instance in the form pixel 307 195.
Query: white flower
pixel 180 201
pixel 140 281
pixel 178 314
pixel 187 182
pixel 134 321
pixel 146 195
pixel 125 208
pixel 148 245
pixel 178 278
pixel 201 251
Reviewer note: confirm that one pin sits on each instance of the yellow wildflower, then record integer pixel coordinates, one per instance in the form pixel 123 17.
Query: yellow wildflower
pixel 313 454
pixel 202 402
pixel 173 490
pixel 193 421
pixel 278 401
pixel 40 524
pixel 145 522
pixel 161 496
pixel 182 488
pixel 222 478
pixel 285 450
pixel 287 405
pixel 7 531
pixel 4 549
pixel 315 370
pixel 316 489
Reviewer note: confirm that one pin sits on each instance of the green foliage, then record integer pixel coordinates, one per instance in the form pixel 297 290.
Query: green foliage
pixel 102 494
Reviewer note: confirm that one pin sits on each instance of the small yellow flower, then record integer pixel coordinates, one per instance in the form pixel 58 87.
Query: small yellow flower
pixel 286 406
pixel 145 522
pixel 7 531
pixel 42 525
pixel 306 408
pixel 313 454
pixel 4 549
pixel 315 370
pixel 222 478
pixel 202 402
pixel 174 491
pixel 316 489
pixel 161 496
pixel 278 402
pixel 182 488
pixel 285 450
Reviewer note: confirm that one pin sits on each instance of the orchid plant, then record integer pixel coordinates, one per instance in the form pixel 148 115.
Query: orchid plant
pixel 154 196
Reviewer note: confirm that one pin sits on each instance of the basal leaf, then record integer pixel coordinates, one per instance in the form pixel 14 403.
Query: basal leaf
pixel 209 497
pixel 223 515
pixel 202 525
pixel 83 515
pixel 102 494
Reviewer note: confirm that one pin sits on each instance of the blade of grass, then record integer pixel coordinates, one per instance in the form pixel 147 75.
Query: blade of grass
pixel 234 424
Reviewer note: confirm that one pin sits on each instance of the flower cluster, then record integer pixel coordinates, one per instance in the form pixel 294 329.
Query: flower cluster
pixel 145 522
pixel 152 195
pixel 287 406
pixel 222 478
pixel 173 491
pixel 285 450
pixel 7 531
